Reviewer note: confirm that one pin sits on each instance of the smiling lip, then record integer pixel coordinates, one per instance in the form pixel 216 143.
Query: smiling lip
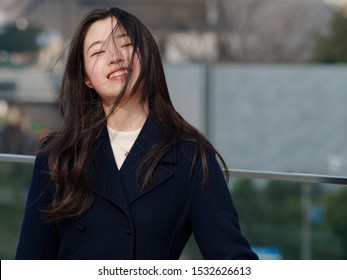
pixel 118 74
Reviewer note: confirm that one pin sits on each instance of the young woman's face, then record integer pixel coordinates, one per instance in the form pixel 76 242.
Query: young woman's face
pixel 108 58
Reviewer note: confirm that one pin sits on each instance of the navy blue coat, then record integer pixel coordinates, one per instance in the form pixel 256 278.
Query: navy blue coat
pixel 127 223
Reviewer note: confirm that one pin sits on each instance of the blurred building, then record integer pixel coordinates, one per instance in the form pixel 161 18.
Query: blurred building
pixel 231 30
pixel 64 15
pixel 28 104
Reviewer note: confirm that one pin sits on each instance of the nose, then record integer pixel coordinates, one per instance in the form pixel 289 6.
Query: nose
pixel 115 56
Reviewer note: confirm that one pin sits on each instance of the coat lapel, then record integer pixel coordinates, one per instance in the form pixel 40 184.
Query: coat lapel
pixel 120 186
pixel 150 135
pixel 108 182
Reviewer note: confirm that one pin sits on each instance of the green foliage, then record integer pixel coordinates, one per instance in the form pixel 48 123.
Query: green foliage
pixel 11 219
pixel 13 39
pixel 337 217
pixel 333 48
pixel 248 203
pixel 282 203
pixel 14 180
pixel 337 211
pixel 272 215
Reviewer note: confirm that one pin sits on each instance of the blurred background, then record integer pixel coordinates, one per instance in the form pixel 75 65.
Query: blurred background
pixel 265 80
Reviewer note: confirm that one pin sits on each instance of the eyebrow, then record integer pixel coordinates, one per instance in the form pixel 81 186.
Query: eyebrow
pixel 101 42
pixel 93 44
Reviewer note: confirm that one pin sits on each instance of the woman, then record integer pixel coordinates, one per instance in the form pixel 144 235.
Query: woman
pixel 125 176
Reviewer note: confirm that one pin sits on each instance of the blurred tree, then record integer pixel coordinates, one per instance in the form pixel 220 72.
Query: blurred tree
pixel 337 216
pixel 271 215
pixel 13 39
pixel 332 48
pixel 248 202
pixel 266 31
pixel 283 203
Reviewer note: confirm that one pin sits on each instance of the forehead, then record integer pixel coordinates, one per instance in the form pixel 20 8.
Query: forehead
pixel 101 30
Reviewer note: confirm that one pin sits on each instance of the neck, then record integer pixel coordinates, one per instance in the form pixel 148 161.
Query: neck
pixel 129 116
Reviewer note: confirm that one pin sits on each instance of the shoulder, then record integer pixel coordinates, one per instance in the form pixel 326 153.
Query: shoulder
pixel 196 143
pixel 199 155
pixel 41 159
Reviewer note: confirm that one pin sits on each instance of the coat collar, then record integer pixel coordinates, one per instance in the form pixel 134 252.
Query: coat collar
pixel 120 186
pixel 150 135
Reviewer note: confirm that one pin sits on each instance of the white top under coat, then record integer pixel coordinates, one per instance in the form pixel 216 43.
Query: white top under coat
pixel 121 142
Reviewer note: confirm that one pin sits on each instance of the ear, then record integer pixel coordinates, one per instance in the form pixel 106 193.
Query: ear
pixel 88 82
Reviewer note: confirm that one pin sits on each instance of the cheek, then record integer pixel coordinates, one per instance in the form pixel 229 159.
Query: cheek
pixel 90 67
pixel 93 70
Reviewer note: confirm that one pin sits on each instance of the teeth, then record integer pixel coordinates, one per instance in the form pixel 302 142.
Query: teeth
pixel 118 73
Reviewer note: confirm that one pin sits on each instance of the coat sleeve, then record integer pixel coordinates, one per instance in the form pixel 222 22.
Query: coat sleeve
pixel 38 238
pixel 215 221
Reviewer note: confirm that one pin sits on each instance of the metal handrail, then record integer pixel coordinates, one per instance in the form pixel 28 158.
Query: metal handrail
pixel 286 176
pixel 239 173
pixel 16 158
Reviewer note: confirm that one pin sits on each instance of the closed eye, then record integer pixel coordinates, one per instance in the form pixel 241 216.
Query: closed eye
pixel 97 53
pixel 126 45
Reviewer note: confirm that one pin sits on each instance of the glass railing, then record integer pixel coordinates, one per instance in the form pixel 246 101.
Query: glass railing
pixel 283 215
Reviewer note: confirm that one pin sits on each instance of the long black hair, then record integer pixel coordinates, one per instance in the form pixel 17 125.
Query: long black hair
pixel 70 148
